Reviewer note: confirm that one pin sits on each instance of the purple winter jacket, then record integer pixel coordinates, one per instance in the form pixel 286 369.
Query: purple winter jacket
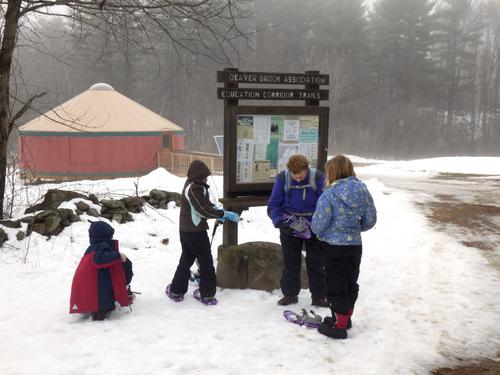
pixel 300 201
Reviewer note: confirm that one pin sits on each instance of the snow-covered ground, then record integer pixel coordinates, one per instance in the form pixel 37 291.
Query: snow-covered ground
pixel 425 300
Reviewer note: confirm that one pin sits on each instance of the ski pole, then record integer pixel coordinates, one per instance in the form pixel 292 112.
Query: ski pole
pixel 217 222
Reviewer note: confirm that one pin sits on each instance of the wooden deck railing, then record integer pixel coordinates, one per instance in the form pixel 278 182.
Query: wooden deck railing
pixel 178 162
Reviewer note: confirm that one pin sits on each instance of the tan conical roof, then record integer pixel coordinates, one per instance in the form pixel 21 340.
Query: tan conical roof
pixel 100 109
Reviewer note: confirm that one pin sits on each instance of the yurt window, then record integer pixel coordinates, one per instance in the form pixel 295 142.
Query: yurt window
pixel 166 140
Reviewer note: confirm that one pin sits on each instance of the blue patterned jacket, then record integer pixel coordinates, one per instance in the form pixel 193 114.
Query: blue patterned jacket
pixel 344 210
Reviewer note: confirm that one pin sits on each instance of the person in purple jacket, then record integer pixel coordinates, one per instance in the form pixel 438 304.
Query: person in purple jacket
pixel 344 210
pixel 290 207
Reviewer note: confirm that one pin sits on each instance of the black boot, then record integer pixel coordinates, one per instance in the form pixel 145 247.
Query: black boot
pixel 287 300
pixel 338 330
pixel 99 315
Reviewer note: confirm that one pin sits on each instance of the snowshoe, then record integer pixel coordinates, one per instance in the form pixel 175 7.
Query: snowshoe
pixel 205 300
pixel 303 319
pixel 195 277
pixel 176 297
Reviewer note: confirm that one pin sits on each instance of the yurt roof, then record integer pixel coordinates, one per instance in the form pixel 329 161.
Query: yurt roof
pixel 100 109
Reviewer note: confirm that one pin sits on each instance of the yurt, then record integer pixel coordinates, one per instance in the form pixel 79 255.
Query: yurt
pixel 97 134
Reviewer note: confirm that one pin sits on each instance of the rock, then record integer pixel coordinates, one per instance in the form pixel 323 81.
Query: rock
pixel 51 223
pixel 158 195
pixel 133 204
pixel 40 228
pixel 28 219
pixel 160 198
pixel 39 217
pixel 11 223
pixel 20 235
pixel 82 206
pixel 67 214
pixel 78 212
pixel 93 199
pixel 53 198
pixel 3 236
pixel 93 212
pixel 128 217
pixel 118 211
pixel 165 241
pixel 112 204
pixel 117 217
pixel 252 265
pixel 174 197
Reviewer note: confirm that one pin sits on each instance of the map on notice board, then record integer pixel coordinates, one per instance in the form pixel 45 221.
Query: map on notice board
pixel 265 143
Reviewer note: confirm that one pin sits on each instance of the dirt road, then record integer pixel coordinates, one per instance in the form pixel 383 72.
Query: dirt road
pixel 466 207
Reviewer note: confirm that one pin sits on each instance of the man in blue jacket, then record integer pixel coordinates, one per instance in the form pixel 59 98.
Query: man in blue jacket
pixel 290 207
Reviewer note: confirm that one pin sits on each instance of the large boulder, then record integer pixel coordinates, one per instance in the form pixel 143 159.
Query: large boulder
pixel 53 198
pixel 252 265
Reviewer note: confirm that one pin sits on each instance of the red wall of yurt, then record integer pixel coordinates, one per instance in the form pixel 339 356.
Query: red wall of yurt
pixel 91 155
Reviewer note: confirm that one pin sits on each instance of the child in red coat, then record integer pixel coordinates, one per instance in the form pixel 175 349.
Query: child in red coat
pixel 102 275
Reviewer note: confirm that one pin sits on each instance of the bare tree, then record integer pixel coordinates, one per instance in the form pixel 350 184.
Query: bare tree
pixel 199 27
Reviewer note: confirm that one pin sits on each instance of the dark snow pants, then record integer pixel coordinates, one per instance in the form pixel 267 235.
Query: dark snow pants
pixel 105 294
pixel 292 261
pixel 195 245
pixel 342 272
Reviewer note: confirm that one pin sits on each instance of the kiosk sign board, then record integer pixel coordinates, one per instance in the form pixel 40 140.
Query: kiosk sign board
pixel 259 140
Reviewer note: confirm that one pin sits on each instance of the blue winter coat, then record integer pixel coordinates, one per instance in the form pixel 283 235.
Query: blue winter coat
pixel 299 202
pixel 344 211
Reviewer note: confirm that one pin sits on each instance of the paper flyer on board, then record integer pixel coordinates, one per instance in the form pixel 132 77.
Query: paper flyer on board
pixel 291 130
pixel 244 171
pixel 261 171
pixel 244 150
pixel 309 150
pixel 262 129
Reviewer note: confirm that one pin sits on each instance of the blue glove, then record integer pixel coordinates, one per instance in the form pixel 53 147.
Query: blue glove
pixel 231 216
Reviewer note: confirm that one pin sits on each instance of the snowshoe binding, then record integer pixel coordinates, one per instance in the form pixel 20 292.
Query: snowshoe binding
pixel 195 277
pixel 309 320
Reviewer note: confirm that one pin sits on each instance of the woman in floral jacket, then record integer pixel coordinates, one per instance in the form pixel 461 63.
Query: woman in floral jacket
pixel 344 210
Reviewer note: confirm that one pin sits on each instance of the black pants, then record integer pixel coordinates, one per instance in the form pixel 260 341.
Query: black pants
pixel 292 257
pixel 195 245
pixel 342 272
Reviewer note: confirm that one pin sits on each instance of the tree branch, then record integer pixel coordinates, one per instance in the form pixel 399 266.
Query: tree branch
pixel 23 109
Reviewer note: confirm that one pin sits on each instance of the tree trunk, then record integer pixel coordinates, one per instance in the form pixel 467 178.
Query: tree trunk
pixel 9 32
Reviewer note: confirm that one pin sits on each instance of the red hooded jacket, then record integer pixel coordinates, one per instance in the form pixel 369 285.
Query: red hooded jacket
pixel 99 279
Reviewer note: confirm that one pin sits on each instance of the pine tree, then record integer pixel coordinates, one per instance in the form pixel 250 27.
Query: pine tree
pixel 458 37
pixel 402 37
